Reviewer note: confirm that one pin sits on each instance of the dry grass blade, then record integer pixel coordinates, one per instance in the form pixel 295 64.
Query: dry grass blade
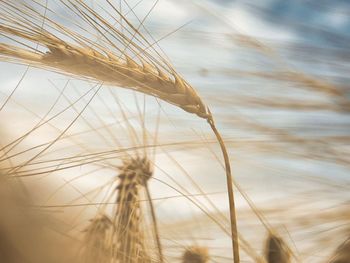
pixel 119 60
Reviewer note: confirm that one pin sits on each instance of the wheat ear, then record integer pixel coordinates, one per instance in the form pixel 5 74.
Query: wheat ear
pixel 129 237
pixel 342 253
pixel 276 250
pixel 133 68
pixel 195 254
pixel 96 247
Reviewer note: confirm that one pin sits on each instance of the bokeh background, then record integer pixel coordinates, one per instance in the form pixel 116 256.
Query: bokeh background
pixel 275 75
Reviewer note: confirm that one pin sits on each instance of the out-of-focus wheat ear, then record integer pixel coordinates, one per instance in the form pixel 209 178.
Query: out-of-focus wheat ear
pixel 8 251
pixel 11 198
pixel 96 247
pixel 342 253
pixel 129 237
pixel 276 251
pixel 195 254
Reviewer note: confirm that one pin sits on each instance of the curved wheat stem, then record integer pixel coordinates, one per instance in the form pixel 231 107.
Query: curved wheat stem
pixel 132 67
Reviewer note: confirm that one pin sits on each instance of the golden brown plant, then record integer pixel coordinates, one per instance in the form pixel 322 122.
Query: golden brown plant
pixel 195 254
pixel 9 202
pixel 342 254
pixel 129 238
pixel 96 248
pixel 122 239
pixel 122 63
pixel 276 250
pixel 27 234
pixel 83 59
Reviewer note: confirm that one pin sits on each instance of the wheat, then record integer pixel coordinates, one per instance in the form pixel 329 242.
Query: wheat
pixel 26 233
pixel 129 237
pixel 342 254
pixel 195 254
pixel 96 247
pixel 132 67
pixel 122 238
pixel 276 250
pixel 100 64
pixel 87 63
pixel 9 251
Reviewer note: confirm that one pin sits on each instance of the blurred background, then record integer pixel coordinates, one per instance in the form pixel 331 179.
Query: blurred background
pixel 275 75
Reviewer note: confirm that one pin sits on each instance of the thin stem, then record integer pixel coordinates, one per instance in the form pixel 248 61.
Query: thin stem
pixel 155 225
pixel 229 182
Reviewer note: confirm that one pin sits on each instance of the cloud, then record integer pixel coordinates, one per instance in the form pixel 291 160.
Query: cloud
pixel 250 24
pixel 170 11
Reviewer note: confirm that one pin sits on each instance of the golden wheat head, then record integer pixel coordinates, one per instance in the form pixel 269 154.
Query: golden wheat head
pixel 129 237
pixel 129 67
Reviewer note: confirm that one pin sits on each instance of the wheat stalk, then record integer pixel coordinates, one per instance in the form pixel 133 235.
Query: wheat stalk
pixel 133 67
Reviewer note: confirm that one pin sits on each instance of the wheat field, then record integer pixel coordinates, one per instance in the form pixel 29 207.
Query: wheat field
pixel 174 131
